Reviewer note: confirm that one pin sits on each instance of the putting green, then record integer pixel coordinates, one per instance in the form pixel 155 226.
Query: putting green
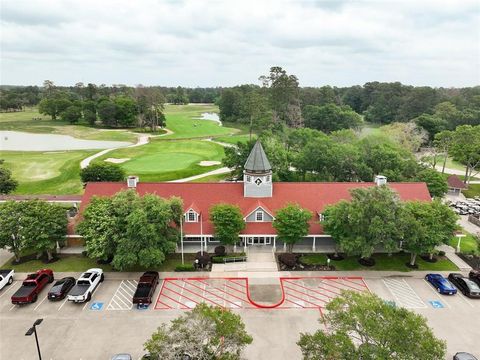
pixel 162 160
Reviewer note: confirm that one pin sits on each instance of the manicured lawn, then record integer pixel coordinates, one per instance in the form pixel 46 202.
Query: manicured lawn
pixel 46 172
pixel 23 121
pixel 181 119
pixel 234 139
pixel 450 164
pixel 395 262
pixel 314 259
pixel 468 244
pixel 162 160
pixel 80 263
pixel 472 191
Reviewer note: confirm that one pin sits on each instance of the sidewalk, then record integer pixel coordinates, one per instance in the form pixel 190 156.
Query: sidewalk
pixel 453 257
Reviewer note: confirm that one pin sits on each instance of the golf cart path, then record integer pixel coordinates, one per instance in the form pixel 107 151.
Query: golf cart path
pixel 223 170
pixel 142 139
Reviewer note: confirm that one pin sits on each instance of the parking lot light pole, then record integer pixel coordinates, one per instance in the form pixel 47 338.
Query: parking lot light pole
pixel 33 330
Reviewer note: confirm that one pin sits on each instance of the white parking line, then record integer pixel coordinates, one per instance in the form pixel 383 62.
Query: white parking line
pixel 84 306
pixel 404 294
pixel 63 303
pixel 122 298
pixel 464 298
pixel 437 294
pixel 13 306
pixel 40 303
pixel 11 286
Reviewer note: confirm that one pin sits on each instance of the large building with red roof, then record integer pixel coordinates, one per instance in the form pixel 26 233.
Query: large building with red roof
pixel 258 198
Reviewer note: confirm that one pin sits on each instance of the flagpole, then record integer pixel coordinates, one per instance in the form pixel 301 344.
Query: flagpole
pixel 181 238
pixel 201 234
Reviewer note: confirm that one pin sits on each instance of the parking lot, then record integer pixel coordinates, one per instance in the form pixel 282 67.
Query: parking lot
pixel 109 323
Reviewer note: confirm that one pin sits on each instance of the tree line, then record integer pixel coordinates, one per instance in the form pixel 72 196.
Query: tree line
pixel 16 98
pixel 311 155
pixel 279 100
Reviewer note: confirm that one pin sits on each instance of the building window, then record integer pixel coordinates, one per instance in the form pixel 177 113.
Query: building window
pixel 249 178
pixel 259 216
pixel 322 217
pixel 191 216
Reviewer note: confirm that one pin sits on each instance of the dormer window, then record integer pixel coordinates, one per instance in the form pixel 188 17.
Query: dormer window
pixel 321 217
pixel 259 216
pixel 191 216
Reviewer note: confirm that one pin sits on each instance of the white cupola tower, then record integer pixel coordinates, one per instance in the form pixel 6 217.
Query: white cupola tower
pixel 257 174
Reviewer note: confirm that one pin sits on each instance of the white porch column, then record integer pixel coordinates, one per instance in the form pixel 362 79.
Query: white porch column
pixel 274 243
pixel 313 246
pixel 245 244
pixel 206 245
pixel 284 247
pixel 235 247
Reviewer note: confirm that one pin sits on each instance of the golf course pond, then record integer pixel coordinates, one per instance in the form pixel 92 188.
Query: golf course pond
pixel 22 141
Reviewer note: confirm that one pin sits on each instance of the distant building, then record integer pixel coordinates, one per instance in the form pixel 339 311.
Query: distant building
pixel 258 197
pixel 455 185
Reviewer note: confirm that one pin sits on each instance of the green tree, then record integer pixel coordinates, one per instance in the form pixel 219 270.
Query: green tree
pixel 432 124
pixel 368 221
pixel 443 143
pixel 466 148
pixel 31 224
pixel 7 183
pixel 131 230
pixel 107 112
pixel 72 114
pixel 206 332
pixel 436 183
pixel 227 222
pixel 291 224
pixel 426 225
pixel 12 228
pixel 126 111
pixel 102 171
pixel 364 326
pixel 331 117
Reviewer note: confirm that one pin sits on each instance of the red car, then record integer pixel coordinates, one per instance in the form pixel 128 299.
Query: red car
pixel 146 288
pixel 32 286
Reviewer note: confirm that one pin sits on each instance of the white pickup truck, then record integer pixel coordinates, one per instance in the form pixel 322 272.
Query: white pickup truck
pixel 6 278
pixel 86 285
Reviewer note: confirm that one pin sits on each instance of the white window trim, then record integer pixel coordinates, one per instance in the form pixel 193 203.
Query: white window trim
pixel 259 208
pixel 187 216
pixel 259 212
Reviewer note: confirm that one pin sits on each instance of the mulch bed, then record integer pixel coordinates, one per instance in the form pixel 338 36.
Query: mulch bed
pixel 472 260
pixel 303 267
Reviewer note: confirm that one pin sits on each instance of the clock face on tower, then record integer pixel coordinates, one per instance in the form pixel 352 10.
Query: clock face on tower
pixel 258 181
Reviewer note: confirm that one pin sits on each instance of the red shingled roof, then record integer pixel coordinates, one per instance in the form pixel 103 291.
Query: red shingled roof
pixel 454 182
pixel 311 195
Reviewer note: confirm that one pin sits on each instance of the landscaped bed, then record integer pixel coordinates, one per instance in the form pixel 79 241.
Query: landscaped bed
pixel 79 263
pixel 383 262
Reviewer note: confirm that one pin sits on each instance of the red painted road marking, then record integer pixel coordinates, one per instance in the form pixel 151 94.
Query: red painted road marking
pixel 209 292
pixel 236 297
pixel 310 289
pixel 349 286
pixel 310 296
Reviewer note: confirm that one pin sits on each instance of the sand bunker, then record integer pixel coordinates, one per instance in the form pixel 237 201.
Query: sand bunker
pixel 116 161
pixel 209 163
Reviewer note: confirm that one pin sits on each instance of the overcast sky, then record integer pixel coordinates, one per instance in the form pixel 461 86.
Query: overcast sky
pixel 230 42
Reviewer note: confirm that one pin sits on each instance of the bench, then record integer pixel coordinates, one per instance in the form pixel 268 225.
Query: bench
pixel 234 259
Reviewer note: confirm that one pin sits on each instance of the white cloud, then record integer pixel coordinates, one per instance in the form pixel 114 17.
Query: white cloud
pixel 210 43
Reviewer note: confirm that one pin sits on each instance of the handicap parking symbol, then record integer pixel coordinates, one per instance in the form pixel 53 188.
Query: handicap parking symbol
pixel 96 306
pixel 436 304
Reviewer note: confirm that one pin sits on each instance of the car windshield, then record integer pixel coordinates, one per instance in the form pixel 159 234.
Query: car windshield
pixel 473 286
pixel 29 283
pixel 143 285
pixel 56 287
pixel 83 282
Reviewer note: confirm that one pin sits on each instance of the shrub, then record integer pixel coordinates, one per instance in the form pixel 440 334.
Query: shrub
pixel 217 259
pixel 102 171
pixel 441 253
pixel 288 259
pixel 185 267
pixel 220 250
pixel 204 259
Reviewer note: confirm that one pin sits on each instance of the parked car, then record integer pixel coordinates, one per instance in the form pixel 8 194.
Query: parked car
pixel 122 357
pixel 465 285
pixel 442 285
pixel 32 286
pixel 146 288
pixel 6 278
pixel 464 356
pixel 86 284
pixel 61 288
pixel 474 275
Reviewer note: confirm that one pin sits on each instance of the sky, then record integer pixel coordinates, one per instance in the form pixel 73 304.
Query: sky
pixel 232 42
